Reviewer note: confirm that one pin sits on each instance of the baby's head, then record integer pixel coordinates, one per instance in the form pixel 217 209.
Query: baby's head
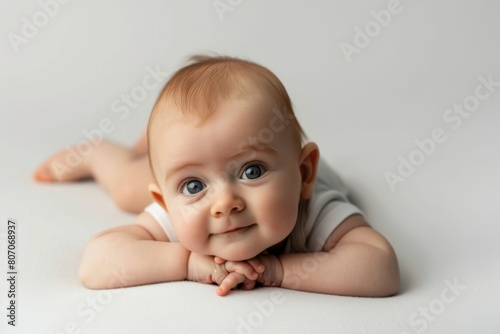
pixel 226 153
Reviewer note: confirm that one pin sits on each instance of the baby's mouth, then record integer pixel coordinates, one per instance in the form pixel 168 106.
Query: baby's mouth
pixel 235 230
pixel 230 231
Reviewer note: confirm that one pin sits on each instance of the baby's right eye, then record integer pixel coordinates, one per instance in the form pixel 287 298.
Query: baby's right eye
pixel 193 187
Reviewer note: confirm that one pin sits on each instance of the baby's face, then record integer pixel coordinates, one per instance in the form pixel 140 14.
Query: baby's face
pixel 231 185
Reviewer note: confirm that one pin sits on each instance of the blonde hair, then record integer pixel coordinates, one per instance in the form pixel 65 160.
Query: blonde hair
pixel 198 89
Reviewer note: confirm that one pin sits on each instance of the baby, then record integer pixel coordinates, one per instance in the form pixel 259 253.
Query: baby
pixel 240 198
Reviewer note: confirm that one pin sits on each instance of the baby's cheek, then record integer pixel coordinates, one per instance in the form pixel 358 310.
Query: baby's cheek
pixel 190 228
pixel 281 210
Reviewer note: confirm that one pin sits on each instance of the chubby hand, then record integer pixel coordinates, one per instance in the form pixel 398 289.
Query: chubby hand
pixel 228 275
pixel 268 266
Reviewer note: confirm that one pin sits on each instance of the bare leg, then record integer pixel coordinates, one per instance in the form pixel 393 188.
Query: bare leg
pixel 141 146
pixel 123 172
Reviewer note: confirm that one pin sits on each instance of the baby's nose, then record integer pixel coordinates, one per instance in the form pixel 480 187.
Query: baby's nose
pixel 226 202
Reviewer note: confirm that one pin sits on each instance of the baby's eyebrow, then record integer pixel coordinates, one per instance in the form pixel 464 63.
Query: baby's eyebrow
pixel 180 167
pixel 259 148
pixel 242 152
pixel 248 151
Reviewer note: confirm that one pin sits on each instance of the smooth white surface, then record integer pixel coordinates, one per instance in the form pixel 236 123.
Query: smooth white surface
pixel 443 220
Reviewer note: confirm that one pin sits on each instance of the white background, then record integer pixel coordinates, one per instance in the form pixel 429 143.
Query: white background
pixel 364 114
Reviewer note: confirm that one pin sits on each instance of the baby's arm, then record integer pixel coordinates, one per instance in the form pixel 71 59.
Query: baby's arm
pixel 141 253
pixel 133 254
pixel 355 261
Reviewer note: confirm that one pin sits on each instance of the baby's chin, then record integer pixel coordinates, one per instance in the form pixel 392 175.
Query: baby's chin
pixel 240 255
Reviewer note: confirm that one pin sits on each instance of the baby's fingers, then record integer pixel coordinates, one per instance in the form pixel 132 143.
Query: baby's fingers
pixel 254 262
pixel 248 285
pixel 256 265
pixel 231 281
pixel 242 268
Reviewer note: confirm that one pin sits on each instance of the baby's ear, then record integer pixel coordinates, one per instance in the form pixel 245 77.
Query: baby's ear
pixel 155 192
pixel 308 169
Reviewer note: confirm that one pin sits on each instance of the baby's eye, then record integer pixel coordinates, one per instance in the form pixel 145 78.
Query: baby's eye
pixel 193 187
pixel 253 172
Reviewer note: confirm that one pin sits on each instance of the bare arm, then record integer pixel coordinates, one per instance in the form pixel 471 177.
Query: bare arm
pixel 131 255
pixel 141 253
pixel 356 261
pixel 141 146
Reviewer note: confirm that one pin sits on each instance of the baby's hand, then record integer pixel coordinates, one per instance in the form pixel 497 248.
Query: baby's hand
pixel 203 269
pixel 273 274
pixel 245 273
pixel 268 266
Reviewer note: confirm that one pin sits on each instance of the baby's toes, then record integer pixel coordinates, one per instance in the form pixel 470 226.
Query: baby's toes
pixel 43 174
pixel 65 165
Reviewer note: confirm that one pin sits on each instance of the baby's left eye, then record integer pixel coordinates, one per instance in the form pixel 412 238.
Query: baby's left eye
pixel 253 172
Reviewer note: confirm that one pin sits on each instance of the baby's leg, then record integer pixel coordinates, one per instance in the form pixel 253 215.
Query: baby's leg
pixel 123 172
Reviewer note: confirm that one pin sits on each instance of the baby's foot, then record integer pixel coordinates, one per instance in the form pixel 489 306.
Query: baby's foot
pixel 66 165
